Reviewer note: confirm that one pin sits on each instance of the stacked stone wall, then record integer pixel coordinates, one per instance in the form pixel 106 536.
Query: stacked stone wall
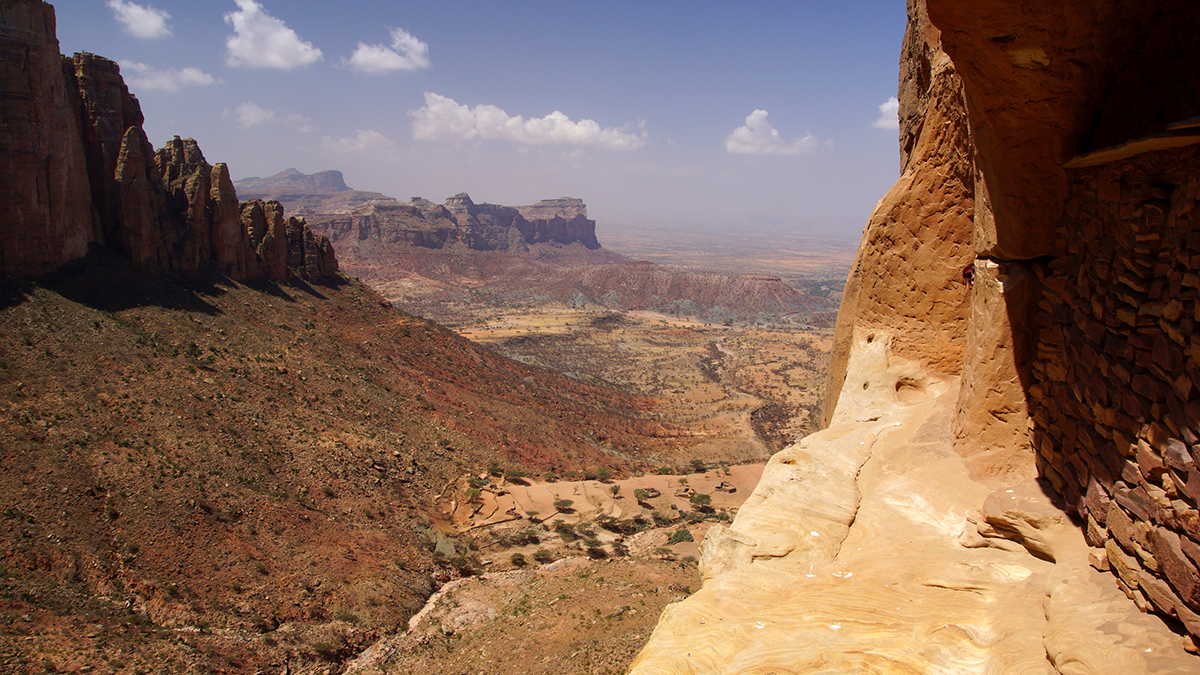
pixel 1115 411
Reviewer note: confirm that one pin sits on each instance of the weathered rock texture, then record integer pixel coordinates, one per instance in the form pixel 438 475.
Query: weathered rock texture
pixel 79 171
pixel 1038 262
pixel 907 280
pixel 44 192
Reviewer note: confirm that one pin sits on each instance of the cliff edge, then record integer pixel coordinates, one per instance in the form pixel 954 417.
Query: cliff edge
pixel 1008 480
pixel 80 172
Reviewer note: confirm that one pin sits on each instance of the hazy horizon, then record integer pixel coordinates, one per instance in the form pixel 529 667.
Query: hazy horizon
pixel 678 115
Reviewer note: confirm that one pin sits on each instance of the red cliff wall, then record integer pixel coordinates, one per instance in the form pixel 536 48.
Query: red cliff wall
pixel 79 171
pixel 47 204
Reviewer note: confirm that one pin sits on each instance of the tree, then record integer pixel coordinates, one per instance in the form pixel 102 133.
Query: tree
pixel 700 499
pixel 615 490
pixel 641 495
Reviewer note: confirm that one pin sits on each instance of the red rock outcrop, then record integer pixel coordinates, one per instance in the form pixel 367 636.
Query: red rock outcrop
pixel 1077 360
pixel 48 217
pixel 80 171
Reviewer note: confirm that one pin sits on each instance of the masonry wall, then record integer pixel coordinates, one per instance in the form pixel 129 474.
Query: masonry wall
pixel 1113 399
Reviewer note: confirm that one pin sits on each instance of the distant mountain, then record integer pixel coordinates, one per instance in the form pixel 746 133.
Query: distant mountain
pixel 292 180
pixel 306 195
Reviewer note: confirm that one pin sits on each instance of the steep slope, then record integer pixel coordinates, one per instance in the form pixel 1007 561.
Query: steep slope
pixel 220 454
pixel 230 455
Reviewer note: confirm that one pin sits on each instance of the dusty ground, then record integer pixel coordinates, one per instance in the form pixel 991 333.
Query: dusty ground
pixel 741 391
pixel 570 589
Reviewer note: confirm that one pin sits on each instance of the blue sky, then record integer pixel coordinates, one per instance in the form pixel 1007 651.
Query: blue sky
pixel 688 114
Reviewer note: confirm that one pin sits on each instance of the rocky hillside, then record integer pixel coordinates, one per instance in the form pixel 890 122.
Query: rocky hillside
pixel 1008 481
pixel 221 455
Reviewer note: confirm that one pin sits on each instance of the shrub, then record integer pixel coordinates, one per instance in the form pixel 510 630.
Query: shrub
pixel 518 560
pixel 563 504
pixel 682 534
pixel 596 553
pixel 664 471
pixel 698 466
pixel 700 499
pixel 542 556
pixel 641 495
pixel 603 473
pixel 473 495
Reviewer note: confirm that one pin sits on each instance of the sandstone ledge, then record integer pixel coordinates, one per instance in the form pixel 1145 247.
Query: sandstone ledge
pixel 868 547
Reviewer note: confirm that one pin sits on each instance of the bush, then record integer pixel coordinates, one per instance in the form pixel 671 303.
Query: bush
pixel 682 534
pixel 596 553
pixel 542 556
pixel 698 466
pixel 563 504
pixel 603 473
pixel 518 560
pixel 664 471
pixel 641 495
pixel 700 499
pixel 473 495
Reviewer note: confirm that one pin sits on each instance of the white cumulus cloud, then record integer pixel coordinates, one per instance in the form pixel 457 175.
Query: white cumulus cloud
pixel 139 21
pixel 889 117
pixel 444 119
pixel 260 40
pixel 143 77
pixel 366 141
pixel 406 53
pixel 758 137
pixel 251 114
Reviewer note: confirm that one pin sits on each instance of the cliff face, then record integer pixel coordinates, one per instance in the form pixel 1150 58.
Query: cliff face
pixel 48 216
pixel 1016 371
pixel 80 171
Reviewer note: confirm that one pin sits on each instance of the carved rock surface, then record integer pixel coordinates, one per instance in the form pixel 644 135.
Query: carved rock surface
pixel 907 279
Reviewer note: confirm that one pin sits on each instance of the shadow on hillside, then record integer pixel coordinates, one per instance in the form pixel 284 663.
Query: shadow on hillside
pixel 110 283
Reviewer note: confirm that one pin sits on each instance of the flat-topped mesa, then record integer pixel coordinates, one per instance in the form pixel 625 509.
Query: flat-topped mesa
pixel 487 226
pixel 321 182
pixel 79 171
pixel 566 208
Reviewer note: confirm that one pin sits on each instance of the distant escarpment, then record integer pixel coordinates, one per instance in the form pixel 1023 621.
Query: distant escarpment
pixel 423 254
pixel 79 171
pixel 478 227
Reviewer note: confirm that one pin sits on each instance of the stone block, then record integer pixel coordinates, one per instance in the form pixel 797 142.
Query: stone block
pixel 1120 526
pixel 1158 592
pixel 1095 534
pixel 1176 566
pixel 1124 565
pixel 1097 501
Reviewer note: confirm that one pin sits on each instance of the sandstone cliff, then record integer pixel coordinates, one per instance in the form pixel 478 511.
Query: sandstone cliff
pixel 81 172
pixel 48 206
pixel 1008 481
